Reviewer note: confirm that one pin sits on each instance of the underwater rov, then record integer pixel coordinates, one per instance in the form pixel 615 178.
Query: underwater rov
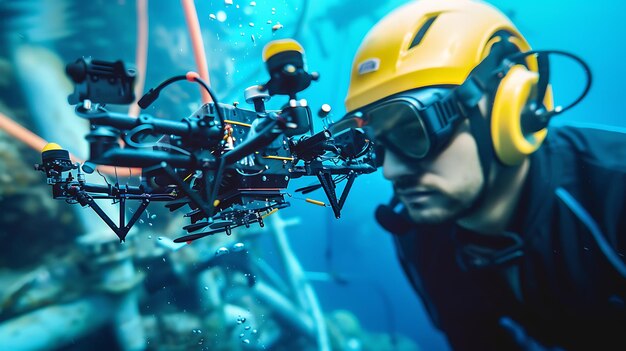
pixel 230 165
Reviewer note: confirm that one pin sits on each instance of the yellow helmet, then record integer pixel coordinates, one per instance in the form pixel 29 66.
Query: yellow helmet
pixel 438 43
pixel 424 43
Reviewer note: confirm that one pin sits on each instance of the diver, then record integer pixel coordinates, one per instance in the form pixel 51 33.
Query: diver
pixel 512 232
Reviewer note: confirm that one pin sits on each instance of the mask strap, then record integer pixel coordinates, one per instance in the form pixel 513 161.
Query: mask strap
pixel 481 82
pixel 479 127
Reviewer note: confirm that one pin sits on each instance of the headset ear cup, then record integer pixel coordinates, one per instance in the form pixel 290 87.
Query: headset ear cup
pixel 514 93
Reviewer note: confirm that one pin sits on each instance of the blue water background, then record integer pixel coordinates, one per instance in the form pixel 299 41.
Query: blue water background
pixel 355 247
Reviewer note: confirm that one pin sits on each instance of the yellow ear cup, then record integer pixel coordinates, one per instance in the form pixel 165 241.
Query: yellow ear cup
pixel 513 94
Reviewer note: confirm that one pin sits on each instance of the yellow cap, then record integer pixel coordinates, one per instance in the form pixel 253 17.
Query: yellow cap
pixel 277 46
pixel 51 146
pixel 424 43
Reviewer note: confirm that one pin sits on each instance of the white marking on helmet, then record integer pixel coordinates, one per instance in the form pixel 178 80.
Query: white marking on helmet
pixel 370 65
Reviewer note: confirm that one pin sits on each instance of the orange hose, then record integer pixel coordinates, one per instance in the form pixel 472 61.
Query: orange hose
pixel 18 132
pixel 191 17
pixel 141 54
pixel 37 143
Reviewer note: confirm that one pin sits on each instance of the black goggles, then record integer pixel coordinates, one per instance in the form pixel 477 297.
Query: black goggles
pixel 413 124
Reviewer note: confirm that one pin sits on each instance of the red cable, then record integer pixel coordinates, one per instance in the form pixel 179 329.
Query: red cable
pixel 37 143
pixel 141 54
pixel 18 132
pixel 191 17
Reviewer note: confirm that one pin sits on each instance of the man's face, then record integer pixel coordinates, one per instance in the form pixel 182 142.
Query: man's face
pixel 439 189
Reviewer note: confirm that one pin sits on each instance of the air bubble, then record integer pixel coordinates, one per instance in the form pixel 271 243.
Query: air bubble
pixel 221 251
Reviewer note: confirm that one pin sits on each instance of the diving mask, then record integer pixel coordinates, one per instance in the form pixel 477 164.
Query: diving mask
pixel 413 124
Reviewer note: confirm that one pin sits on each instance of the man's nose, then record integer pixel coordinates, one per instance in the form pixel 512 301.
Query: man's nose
pixel 395 167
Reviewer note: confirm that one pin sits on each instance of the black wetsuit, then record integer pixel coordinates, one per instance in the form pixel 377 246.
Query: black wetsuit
pixel 546 283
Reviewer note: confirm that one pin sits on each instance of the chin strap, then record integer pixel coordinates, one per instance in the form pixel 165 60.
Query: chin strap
pixel 469 96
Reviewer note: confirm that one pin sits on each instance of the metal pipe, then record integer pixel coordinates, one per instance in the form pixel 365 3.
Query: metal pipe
pixel 56 326
pixel 285 310
pixel 301 287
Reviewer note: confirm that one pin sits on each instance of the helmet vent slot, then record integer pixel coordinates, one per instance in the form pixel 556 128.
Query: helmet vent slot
pixel 421 32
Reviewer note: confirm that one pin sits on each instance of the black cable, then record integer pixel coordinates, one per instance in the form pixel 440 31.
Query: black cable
pixel 153 94
pixel 148 98
pixel 576 58
pixel 206 87
pixel 103 177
